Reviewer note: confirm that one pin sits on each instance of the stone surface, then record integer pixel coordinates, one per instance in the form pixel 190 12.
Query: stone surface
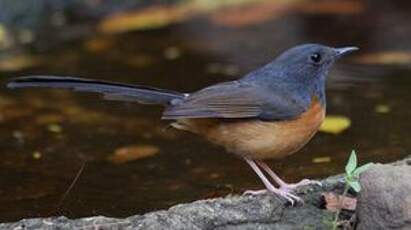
pixel 385 199
pixel 232 212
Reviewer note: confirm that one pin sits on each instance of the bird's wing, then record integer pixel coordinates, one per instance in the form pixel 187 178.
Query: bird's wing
pixel 237 99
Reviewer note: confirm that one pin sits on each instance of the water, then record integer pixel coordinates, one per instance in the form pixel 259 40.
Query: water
pixel 48 136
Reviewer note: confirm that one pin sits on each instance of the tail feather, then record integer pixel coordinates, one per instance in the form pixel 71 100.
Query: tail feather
pixel 110 90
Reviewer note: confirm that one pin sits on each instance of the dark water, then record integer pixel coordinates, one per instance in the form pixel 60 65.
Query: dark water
pixel 69 132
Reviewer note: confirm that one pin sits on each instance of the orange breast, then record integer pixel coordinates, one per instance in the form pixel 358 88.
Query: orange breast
pixel 257 139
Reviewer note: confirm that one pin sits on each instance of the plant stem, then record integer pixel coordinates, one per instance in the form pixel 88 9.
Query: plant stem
pixel 341 202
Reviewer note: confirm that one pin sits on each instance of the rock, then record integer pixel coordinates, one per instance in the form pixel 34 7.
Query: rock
pixel 385 199
pixel 233 212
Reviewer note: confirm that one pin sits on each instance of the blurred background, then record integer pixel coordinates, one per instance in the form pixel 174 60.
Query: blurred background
pixel 74 154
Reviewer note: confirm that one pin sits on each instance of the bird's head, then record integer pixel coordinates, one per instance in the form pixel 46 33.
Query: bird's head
pixel 309 62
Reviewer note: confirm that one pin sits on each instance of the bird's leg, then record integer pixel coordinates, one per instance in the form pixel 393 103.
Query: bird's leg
pixel 270 188
pixel 283 185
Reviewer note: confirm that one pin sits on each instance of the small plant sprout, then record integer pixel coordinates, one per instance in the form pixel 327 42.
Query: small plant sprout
pixel 352 173
pixel 351 177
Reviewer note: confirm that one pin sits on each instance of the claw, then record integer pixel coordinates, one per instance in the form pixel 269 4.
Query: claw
pixel 290 197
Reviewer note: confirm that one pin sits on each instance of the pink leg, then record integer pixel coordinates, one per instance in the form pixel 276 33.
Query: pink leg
pixel 283 185
pixel 270 188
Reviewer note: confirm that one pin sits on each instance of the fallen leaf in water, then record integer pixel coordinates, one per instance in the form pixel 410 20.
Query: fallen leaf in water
pixel 386 58
pixel 335 124
pixel 321 160
pixel 18 62
pixel 382 109
pixel 250 14
pixel 334 202
pixel 131 153
pixel 149 18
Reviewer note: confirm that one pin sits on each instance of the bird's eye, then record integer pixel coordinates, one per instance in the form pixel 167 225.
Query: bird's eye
pixel 315 57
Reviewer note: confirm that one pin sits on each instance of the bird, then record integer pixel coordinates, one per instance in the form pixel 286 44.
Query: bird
pixel 269 113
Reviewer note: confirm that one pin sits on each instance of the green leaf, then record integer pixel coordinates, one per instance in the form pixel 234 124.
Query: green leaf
pixel 362 169
pixel 355 185
pixel 352 163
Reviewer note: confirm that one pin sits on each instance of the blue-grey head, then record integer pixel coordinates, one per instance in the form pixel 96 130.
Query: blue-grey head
pixel 301 69
pixel 309 62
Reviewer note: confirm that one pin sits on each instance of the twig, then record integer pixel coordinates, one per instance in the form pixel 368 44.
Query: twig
pixel 60 203
pixel 341 203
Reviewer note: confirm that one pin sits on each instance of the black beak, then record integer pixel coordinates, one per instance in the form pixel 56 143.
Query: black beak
pixel 344 50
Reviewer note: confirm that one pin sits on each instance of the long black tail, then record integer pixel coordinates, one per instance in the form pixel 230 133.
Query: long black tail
pixel 110 90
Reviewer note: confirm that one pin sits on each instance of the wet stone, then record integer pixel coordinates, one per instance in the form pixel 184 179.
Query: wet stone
pixel 385 199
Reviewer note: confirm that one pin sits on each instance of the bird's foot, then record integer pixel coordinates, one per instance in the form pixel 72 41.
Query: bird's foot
pixel 283 193
pixel 291 187
pixel 270 188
